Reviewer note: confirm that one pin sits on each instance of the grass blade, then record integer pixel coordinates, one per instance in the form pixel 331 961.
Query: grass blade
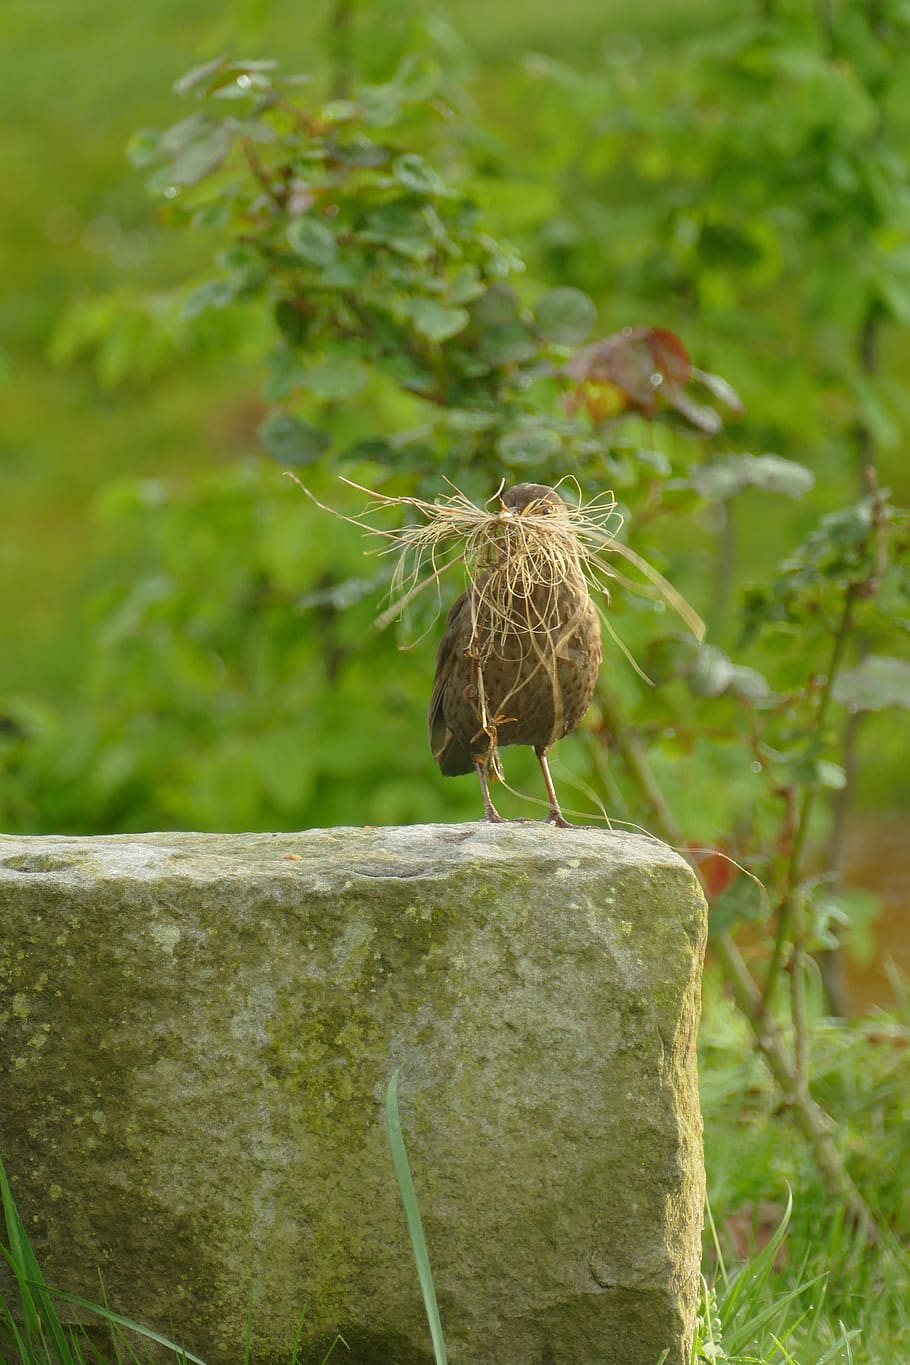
pixel 331 1350
pixel 413 1219
pixel 118 1320
pixel 42 1325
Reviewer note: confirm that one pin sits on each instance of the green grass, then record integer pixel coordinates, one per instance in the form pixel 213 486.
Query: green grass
pixel 32 1331
pixel 841 1296
pixel 412 1217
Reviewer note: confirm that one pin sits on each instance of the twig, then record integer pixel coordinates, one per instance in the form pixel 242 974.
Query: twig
pixel 278 197
pixel 812 1120
pixel 831 960
pixel 789 912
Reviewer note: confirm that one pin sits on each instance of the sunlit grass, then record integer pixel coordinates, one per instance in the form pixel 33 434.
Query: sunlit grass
pixel 844 1296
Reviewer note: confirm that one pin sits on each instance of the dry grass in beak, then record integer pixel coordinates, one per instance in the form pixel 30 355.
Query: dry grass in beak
pixel 508 556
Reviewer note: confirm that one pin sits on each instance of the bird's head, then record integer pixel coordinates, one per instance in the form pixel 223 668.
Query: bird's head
pixel 531 499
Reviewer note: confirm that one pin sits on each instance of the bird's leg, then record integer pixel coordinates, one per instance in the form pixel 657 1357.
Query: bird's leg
pixel 555 816
pixel 489 810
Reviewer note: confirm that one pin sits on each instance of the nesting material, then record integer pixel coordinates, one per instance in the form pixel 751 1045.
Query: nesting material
pixel 504 558
pixel 519 657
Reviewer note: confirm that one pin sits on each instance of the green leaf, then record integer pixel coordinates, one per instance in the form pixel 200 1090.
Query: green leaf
pixel 436 322
pixel 777 475
pixel 566 316
pixel 712 673
pixel 401 227
pixel 725 478
pixel 830 775
pixel 290 441
pixel 874 684
pixel 417 78
pixel 339 111
pixel 466 285
pixel 718 387
pixel 201 156
pixel 412 1217
pixel 415 175
pixel 360 151
pixel 312 241
pixel 380 105
pixel 144 147
pixel 531 444
pixel 469 419
pixel 333 380
pixel 181 135
pixel 654 460
pixel 197 75
pixel 749 684
pixel 212 294
pixel 503 336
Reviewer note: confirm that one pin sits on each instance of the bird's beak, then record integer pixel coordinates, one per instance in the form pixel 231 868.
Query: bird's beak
pixel 505 511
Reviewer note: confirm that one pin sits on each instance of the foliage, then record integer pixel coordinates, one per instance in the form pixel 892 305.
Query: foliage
pixel 405 342
pixel 734 186
pixel 845 1296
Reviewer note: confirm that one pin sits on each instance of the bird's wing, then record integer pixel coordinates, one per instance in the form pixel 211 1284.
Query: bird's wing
pixel 440 734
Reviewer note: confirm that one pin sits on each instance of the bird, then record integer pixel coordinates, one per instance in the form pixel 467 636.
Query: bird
pixel 521 649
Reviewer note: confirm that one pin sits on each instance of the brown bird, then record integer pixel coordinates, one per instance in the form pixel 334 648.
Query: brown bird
pixel 521 650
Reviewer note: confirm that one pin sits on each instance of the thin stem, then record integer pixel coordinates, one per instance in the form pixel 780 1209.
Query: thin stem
pixel 811 1119
pixel 798 1012
pixel 789 912
pixel 831 961
pixel 867 355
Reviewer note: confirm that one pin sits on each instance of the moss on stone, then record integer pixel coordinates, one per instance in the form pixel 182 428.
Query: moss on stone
pixel 198 1031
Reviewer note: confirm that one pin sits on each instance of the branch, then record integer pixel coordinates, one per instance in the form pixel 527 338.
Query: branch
pixel 812 1120
pixel 789 911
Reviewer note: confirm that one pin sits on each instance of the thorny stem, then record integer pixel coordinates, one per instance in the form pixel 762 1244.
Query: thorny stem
pixel 790 909
pixel 831 960
pixel 259 171
pixel 811 1119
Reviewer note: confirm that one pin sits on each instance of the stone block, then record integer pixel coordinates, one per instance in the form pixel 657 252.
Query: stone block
pixel 197 1035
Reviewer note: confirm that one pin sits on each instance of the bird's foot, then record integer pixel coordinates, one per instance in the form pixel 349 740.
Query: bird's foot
pixel 557 818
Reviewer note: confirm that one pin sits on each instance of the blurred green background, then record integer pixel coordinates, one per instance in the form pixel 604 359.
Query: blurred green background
pixel 75 83
pixel 187 643
pixel 760 231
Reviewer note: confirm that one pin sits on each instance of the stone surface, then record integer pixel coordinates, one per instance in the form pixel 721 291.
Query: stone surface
pixel 197 1034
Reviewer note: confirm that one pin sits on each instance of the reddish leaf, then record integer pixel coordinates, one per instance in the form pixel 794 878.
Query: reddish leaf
pixel 646 363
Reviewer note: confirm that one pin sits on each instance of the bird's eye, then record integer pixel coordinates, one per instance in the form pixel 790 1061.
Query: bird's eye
pixel 546 510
